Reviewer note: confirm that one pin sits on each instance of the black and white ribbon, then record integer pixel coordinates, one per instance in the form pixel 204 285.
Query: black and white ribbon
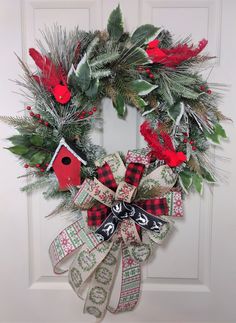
pixel 121 211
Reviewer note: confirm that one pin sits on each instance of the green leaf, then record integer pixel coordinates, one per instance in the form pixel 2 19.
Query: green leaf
pixel 198 183
pixel 18 150
pixel 176 112
pixel 36 140
pixel 141 103
pixel 115 25
pixel 144 34
pixel 142 87
pixel 83 73
pixel 19 140
pixel 135 56
pixel 93 88
pixel 119 104
pixel 38 158
pixel 220 131
pixel 207 175
pixel 185 179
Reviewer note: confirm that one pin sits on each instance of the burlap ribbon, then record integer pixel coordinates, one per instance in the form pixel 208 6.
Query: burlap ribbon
pixel 96 261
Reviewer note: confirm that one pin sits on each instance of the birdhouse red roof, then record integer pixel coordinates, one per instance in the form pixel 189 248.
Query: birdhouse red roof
pixel 66 163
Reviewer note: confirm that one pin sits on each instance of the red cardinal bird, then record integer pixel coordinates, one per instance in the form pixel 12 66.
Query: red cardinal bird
pixel 52 78
pixel 165 151
pixel 173 56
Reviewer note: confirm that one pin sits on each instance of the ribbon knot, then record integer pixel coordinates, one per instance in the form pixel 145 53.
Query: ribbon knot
pixel 120 211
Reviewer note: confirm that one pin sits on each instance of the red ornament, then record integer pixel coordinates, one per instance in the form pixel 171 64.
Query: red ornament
pixel 194 148
pixel 185 140
pixel 37 165
pixel 46 123
pixel 151 76
pixel 28 107
pixel 26 165
pixel 90 113
pixel 38 116
pixel 42 170
pixel 202 88
pixel 94 109
pixel 66 163
pixel 148 70
pixel 209 91
pixel 61 93
pixel 191 142
pixel 32 114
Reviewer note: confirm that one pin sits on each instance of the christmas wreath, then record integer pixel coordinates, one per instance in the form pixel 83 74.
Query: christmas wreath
pixel 129 199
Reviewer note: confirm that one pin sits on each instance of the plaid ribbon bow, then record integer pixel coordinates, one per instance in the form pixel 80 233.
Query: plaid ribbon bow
pixel 125 191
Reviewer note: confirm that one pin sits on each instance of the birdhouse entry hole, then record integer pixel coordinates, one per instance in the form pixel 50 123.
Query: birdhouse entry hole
pixel 66 160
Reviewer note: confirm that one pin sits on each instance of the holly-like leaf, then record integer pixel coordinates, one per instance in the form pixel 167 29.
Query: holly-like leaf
pixel 83 73
pixel 142 87
pixel 207 175
pixel 198 183
pixel 176 112
pixel 93 88
pixel 217 133
pixel 18 150
pixel 136 56
pixel 115 26
pixel 36 140
pixel 38 158
pixel 220 131
pixel 144 34
pixel 119 105
pixel 185 179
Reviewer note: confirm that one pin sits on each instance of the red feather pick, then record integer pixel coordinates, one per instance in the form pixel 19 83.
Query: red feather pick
pixel 52 78
pixel 173 56
pixel 164 152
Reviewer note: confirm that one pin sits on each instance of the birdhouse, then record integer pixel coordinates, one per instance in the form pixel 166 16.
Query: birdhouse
pixel 66 163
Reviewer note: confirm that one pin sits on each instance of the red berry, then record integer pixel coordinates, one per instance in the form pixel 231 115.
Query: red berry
pixel 148 70
pixel 202 88
pixel 28 107
pixel 94 109
pixel 32 114
pixel 194 148
pixel 46 123
pixel 40 121
pixel 42 169
pixel 37 165
pixel 191 142
pixel 151 76
pixel 26 165
pixel 90 113
pixel 46 164
pixel 209 92
pixel 38 116
pixel 185 140
pixel 185 134
pixel 81 117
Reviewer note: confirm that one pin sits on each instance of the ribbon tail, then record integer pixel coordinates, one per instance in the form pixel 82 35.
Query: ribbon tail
pixel 130 284
pixel 85 264
pixel 102 282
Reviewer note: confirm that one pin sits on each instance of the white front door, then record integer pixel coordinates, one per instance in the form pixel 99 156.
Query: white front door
pixel 193 277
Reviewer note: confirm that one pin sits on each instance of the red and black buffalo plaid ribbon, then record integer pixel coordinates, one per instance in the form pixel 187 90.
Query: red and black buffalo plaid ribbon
pixel 134 172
